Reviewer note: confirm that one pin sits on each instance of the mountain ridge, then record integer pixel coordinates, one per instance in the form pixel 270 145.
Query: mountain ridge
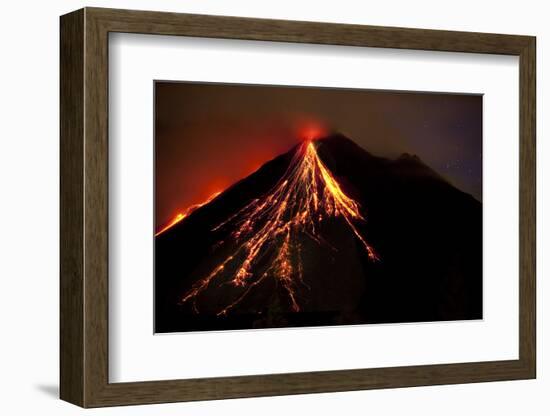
pixel 405 157
pixel 409 211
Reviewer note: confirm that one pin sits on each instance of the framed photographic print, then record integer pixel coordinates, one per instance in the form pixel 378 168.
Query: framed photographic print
pixel 298 224
pixel 260 207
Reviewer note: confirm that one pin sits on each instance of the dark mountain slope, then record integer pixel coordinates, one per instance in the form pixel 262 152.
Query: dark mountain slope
pixel 426 233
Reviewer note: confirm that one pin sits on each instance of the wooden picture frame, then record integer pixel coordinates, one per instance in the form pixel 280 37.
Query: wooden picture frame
pixel 84 207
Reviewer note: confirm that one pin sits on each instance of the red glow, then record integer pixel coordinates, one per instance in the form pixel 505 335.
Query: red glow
pixel 272 227
pixel 185 213
pixel 312 130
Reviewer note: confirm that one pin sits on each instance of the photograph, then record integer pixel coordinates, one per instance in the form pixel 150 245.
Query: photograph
pixel 291 206
pixel 258 205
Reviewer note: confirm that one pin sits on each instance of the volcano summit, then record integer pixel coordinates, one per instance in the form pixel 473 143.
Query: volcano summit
pixel 325 234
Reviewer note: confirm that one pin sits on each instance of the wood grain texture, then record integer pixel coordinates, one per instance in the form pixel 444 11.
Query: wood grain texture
pixel 527 207
pixel 162 23
pixel 96 217
pixel 84 207
pixel 71 199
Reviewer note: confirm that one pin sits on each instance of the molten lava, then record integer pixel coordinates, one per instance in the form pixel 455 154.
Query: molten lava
pixel 182 215
pixel 269 231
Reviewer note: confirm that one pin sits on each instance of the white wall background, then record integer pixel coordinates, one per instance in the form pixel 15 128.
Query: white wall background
pixel 29 85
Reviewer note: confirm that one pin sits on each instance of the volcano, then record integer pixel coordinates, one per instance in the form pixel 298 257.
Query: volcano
pixel 324 234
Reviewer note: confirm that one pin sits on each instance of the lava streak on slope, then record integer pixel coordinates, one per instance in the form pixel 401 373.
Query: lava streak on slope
pixel 182 215
pixel 269 230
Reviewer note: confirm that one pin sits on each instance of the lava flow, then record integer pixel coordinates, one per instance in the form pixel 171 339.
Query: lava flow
pixel 269 231
pixel 185 214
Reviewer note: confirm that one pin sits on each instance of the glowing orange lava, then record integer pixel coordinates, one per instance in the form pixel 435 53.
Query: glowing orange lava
pixel 268 230
pixel 180 216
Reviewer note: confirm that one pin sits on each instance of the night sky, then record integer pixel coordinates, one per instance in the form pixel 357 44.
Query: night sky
pixel 208 136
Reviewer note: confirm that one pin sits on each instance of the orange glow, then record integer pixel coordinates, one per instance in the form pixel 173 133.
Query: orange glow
pixel 180 216
pixel 267 230
pixel 311 131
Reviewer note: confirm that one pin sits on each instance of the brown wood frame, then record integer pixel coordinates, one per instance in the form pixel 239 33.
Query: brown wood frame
pixel 84 208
